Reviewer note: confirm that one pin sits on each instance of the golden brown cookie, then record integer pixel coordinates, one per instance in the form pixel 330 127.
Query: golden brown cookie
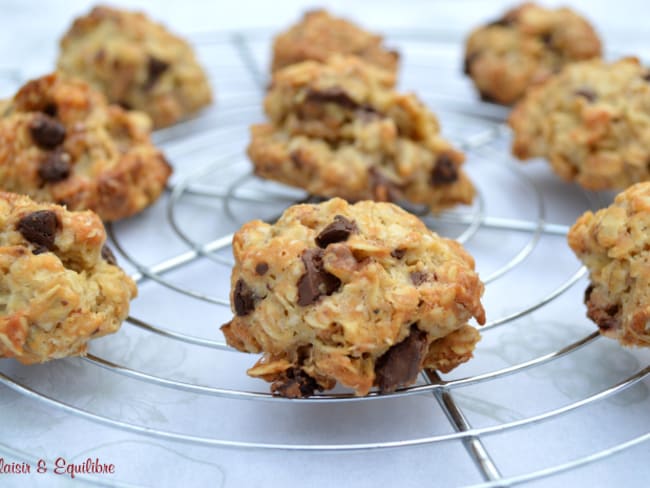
pixel 59 284
pixel 61 142
pixel 361 294
pixel 524 47
pixel 614 245
pixel 136 63
pixel 338 129
pixel 319 35
pixel 592 123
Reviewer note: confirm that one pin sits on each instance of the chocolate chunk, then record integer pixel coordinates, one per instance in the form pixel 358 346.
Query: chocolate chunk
pixel 124 105
pixel 547 39
pixel 486 97
pixel 299 162
pixel 400 365
pixel 261 268
pixel 502 22
pixel 588 93
pixel 39 228
pixel 469 59
pixel 337 231
pixel 155 68
pixel 383 188
pixel 316 282
pixel 605 317
pixel 294 383
pixel 588 291
pixel 46 132
pixel 243 298
pixel 444 172
pixel 646 76
pixel 398 253
pixel 332 95
pixel 108 255
pixel 419 277
pixel 51 109
pixel 55 167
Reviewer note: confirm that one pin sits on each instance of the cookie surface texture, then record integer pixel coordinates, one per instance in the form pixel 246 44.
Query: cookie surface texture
pixel 362 294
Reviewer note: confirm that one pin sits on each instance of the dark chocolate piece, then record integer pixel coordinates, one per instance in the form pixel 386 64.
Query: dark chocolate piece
pixel 444 172
pixel 316 282
pixel 51 109
pixel 155 68
pixel 261 268
pixel 333 95
pixel 398 253
pixel 469 59
pixel 243 298
pixel 46 132
pixel 337 231
pixel 108 255
pixel 606 318
pixel 39 228
pixel 294 383
pixel 547 39
pixel 55 167
pixel 502 22
pixel 400 365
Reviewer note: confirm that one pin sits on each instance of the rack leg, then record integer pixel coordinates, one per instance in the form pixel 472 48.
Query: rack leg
pixel 474 446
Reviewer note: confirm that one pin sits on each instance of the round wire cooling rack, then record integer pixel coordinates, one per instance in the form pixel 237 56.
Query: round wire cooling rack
pixel 538 373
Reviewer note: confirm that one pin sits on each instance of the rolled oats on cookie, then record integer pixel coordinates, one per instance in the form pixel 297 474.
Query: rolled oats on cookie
pixel 61 142
pixel 338 129
pixel 60 285
pixel 614 245
pixel 361 294
pixel 524 47
pixel 136 63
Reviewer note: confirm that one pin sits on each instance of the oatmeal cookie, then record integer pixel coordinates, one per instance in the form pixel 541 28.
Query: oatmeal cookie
pixel 614 245
pixel 524 47
pixel 362 294
pixel 319 35
pixel 61 142
pixel 136 63
pixel 337 129
pixel 591 121
pixel 60 285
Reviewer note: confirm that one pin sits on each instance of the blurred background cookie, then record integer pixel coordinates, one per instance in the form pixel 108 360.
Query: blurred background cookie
pixel 524 47
pixel 136 63
pixel 338 129
pixel 61 142
pixel 319 35
pixel 592 123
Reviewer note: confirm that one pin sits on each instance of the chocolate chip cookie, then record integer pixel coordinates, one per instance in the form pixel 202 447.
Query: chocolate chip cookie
pixel 524 47
pixel 338 129
pixel 361 294
pixel 136 63
pixel 591 121
pixel 319 35
pixel 61 142
pixel 614 244
pixel 59 282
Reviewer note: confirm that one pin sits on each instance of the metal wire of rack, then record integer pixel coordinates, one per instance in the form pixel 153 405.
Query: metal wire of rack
pixel 222 185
